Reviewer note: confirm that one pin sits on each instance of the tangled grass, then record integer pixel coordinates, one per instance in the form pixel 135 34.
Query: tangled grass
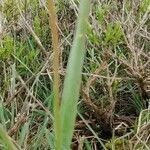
pixel 115 89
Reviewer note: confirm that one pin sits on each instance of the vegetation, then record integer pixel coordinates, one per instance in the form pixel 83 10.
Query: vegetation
pixel 74 74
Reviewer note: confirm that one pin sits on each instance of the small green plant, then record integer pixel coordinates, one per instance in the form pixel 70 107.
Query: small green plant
pixel 113 34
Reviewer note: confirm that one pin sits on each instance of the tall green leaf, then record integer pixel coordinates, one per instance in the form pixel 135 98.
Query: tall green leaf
pixel 73 77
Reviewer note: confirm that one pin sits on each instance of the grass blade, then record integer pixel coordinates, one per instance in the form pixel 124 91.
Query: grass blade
pixel 73 78
pixel 6 139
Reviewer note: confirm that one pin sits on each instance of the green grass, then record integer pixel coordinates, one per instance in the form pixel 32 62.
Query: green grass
pixel 102 64
pixel 6 140
pixel 72 81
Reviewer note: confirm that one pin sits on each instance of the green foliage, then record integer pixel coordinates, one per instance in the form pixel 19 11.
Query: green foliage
pixel 92 36
pixel 113 34
pixel 8 7
pixel 101 12
pixel 7 48
pixel 117 144
pixel 2 115
pixel 115 86
pixel 88 145
pixel 23 133
pixel 26 55
pixel 37 27
pixel 144 6
pixel 137 100
pixel 40 24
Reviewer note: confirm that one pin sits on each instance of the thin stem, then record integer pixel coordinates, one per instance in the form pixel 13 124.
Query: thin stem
pixel 55 42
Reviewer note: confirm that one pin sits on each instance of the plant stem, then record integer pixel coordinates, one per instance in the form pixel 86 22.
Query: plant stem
pixel 55 42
